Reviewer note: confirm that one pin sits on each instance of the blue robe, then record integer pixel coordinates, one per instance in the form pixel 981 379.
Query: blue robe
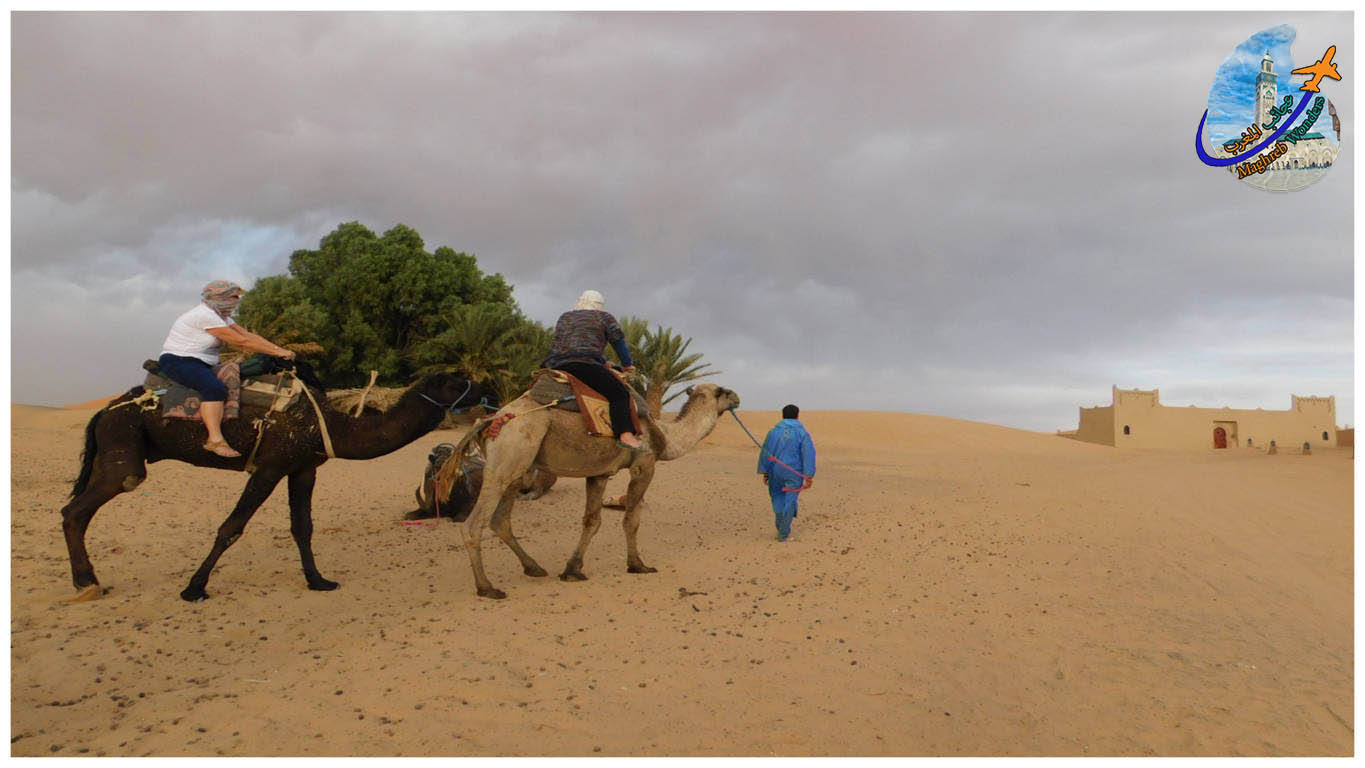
pixel 790 444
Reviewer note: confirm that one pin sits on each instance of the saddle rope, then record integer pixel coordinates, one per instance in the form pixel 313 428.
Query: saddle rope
pixel 322 423
pixel 360 406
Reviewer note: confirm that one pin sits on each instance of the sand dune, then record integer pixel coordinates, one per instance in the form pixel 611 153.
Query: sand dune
pixel 951 588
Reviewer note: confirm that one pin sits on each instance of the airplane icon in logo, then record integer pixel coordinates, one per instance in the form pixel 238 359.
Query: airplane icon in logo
pixel 1321 68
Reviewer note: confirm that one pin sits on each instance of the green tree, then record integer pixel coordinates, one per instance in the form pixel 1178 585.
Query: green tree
pixel 661 361
pixel 371 301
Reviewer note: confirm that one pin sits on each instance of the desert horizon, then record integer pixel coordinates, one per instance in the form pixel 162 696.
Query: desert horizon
pixel 950 588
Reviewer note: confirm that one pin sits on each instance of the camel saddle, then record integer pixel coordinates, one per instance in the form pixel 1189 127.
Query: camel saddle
pixel 566 392
pixel 267 392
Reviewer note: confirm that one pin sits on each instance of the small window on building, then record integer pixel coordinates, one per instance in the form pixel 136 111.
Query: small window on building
pixel 1125 430
pixel 1324 435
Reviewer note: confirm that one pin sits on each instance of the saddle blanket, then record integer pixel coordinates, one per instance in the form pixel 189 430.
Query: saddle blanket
pixel 180 402
pixel 548 385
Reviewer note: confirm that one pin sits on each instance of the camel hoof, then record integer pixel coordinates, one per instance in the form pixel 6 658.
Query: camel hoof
pixel 194 595
pixel 572 576
pixel 492 593
pixel 641 569
pixel 88 593
pixel 535 570
pixel 322 585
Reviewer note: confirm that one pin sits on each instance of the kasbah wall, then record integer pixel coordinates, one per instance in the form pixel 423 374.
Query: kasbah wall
pixel 1137 419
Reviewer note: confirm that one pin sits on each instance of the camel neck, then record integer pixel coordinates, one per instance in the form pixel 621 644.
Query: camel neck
pixel 693 424
pixel 374 434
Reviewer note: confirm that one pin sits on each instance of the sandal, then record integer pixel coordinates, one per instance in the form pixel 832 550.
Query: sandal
pixel 221 448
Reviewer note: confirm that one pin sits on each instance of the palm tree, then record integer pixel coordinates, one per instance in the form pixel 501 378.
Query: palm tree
pixel 661 361
pixel 473 343
pixel 527 345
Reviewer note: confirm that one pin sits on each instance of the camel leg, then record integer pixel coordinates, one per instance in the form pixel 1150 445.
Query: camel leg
pixel 502 525
pixel 301 526
pixel 108 479
pixel 495 489
pixel 635 493
pixel 592 520
pixel 257 490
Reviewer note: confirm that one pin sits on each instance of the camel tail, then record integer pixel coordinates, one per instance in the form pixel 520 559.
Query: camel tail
pixel 87 456
pixel 88 453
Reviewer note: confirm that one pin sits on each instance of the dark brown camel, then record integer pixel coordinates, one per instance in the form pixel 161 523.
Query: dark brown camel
pixel 122 438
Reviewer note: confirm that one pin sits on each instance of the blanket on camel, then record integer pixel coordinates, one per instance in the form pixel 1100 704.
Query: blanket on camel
pixel 257 391
pixel 549 386
pixel 180 402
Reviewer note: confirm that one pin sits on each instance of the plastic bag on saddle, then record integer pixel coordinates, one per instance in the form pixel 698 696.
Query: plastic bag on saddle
pixel 549 386
pixel 267 392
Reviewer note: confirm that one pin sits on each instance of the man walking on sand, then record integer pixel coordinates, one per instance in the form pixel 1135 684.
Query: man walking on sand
pixel 787 463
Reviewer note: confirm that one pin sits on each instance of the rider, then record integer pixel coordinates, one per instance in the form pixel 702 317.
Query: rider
pixel 581 336
pixel 191 350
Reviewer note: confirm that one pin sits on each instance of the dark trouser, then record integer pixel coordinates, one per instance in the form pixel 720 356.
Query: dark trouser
pixel 195 374
pixel 610 387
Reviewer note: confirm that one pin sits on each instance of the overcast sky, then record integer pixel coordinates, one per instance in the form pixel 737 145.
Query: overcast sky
pixel 993 217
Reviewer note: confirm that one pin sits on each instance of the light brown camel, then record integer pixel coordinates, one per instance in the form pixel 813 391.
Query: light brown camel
pixel 554 440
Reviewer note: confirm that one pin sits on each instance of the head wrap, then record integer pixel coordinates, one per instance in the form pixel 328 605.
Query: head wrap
pixel 222 297
pixel 790 411
pixel 590 300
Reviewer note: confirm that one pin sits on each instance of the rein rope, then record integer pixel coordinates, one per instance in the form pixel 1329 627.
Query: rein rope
pixel 450 407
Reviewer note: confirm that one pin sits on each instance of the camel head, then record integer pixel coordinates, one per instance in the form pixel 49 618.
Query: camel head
pixel 724 399
pixel 452 391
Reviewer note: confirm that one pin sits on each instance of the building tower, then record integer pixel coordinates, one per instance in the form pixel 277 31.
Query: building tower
pixel 1265 90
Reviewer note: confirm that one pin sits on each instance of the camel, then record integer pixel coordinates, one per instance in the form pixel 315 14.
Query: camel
pixel 463 494
pixel 555 441
pixel 122 438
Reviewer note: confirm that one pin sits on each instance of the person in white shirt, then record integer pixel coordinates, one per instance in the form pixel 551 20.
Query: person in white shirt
pixel 191 351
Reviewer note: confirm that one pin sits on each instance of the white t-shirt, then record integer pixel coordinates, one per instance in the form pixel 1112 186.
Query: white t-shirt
pixel 189 336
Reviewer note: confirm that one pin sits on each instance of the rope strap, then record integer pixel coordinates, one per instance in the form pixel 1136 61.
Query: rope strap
pixel 495 426
pixel 360 406
pixel 146 401
pixel 322 423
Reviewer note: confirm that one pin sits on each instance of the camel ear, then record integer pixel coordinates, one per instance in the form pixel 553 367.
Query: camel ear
pixel 688 391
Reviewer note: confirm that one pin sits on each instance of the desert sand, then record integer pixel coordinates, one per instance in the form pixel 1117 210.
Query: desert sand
pixel 951 588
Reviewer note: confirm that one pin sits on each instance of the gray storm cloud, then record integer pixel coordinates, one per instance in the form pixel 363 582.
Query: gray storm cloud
pixel 988 216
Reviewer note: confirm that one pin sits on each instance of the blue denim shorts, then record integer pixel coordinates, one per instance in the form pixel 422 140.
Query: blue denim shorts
pixel 195 374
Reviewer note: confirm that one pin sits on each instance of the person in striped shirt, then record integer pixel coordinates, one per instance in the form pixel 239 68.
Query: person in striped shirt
pixel 580 341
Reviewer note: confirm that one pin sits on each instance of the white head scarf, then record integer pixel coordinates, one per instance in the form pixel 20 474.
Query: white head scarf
pixel 590 300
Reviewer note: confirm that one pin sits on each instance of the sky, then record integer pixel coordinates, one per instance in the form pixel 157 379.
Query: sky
pixel 993 217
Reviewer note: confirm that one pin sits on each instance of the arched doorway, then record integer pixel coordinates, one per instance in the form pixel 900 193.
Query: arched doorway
pixel 1220 437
